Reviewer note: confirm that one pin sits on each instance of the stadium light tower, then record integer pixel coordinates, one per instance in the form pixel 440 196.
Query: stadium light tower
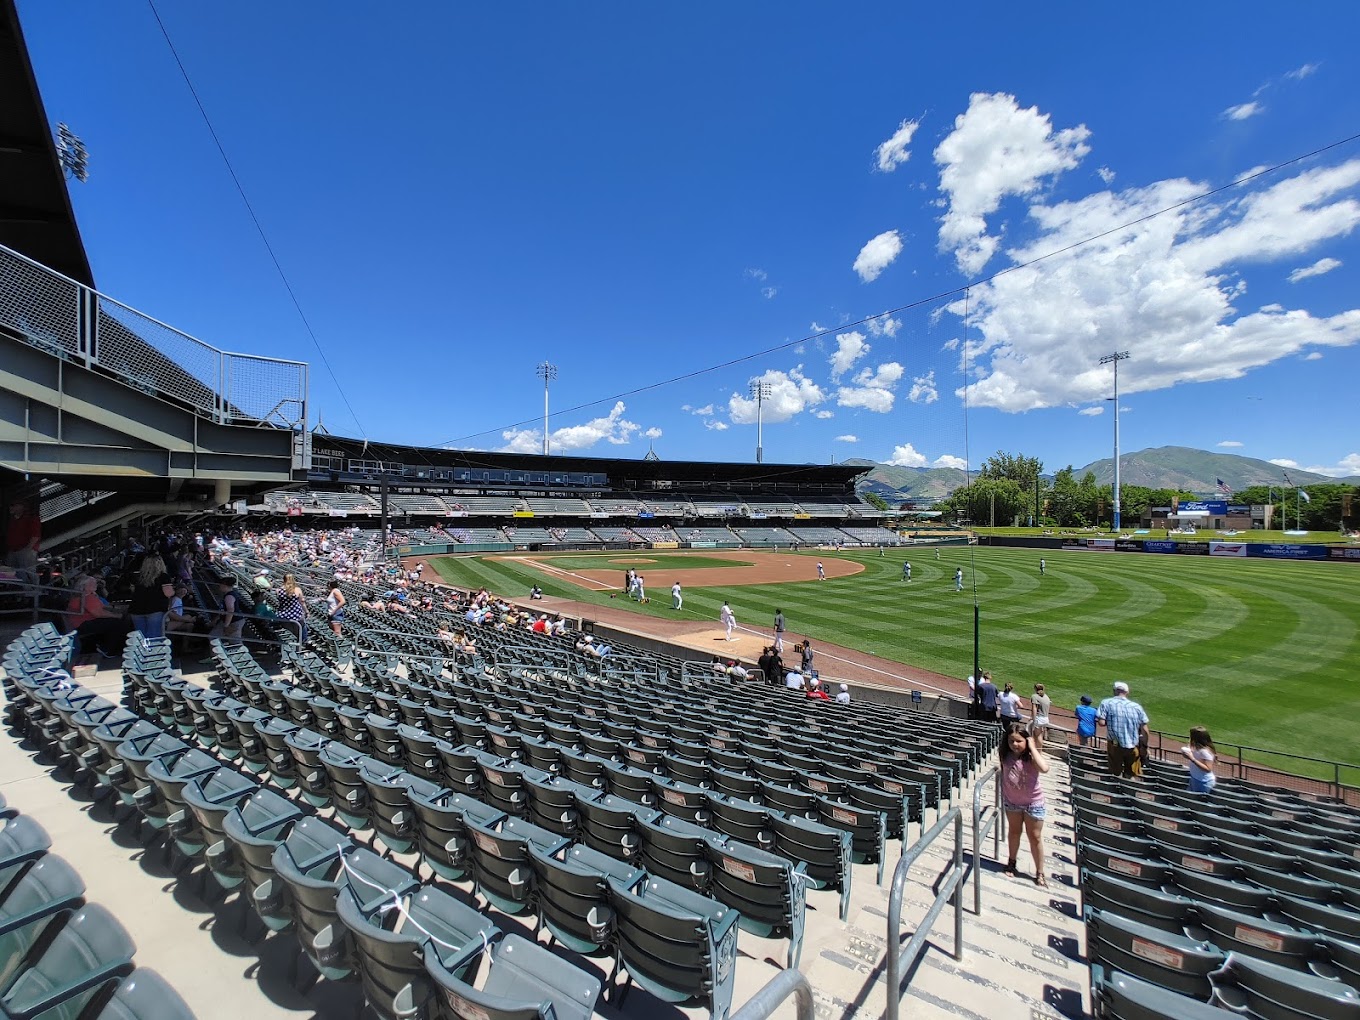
pixel 71 153
pixel 1115 359
pixel 547 372
pixel 760 392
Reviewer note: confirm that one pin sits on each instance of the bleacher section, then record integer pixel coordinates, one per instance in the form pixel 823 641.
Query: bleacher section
pixel 764 536
pixel 521 535
pixel 488 505
pixel 615 507
pixel 818 536
pixel 474 536
pixel 406 503
pixel 752 508
pixel 709 507
pixel 1247 898
pixel 616 534
pixel 656 534
pixel 558 506
pixel 705 534
pixel 669 507
pixel 873 536
pixel 579 536
pixel 836 510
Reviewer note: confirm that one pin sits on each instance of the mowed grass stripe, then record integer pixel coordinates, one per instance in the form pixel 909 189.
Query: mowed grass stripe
pixel 1261 652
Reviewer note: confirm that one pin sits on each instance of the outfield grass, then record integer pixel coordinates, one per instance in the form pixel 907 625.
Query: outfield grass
pixel 1262 652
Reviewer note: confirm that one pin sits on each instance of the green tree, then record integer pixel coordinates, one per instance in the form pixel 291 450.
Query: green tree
pixel 1017 467
pixel 978 500
pixel 875 500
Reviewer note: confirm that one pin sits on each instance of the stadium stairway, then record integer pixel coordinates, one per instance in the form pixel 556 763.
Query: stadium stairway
pixel 1022 955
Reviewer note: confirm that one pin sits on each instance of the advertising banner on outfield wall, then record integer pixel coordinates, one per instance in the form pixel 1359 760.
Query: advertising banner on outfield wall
pixel 1128 545
pixel 1159 546
pixel 1211 507
pixel 1349 554
pixel 1289 552
pixel 1193 548
pixel 1089 544
pixel 1227 548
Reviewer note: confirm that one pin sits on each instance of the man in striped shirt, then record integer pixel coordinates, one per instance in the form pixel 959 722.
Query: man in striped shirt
pixel 1125 724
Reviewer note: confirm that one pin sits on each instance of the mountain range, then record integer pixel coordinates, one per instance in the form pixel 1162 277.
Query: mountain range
pixel 1162 467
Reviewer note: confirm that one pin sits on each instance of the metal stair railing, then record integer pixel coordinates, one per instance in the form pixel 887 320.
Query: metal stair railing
pixel 780 987
pixel 950 888
pixel 985 819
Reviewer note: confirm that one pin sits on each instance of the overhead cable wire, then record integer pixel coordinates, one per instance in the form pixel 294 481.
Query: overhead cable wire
pixel 919 302
pixel 240 188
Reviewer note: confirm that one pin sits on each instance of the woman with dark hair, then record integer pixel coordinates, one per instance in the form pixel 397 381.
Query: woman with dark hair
pixel 1022 797
pixel 292 609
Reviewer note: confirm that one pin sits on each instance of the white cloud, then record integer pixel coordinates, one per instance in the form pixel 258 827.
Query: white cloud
pixel 894 152
pixel 817 327
pixel 1243 111
pixel 1230 443
pixel 1348 465
pixel 612 428
pixel 1163 288
pixel 653 433
pixel 950 345
pixel 702 412
pixel 877 255
pixel 923 389
pixel 1299 73
pixel 850 348
pixel 906 456
pixel 1316 269
pixel 872 389
pixel 716 426
pixel 791 393
pixel 948 460
pixel 883 325
pixel 768 292
pixel 1106 174
pixel 1313 356
pixel 847 439
pixel 996 150
pixel 1091 412
pixel 823 414
pixel 1283 462
pixel 758 274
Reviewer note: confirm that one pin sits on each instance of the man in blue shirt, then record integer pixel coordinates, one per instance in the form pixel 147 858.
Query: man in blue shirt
pixel 1125 725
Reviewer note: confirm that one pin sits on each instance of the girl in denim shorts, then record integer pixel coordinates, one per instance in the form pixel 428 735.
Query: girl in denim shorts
pixel 1022 763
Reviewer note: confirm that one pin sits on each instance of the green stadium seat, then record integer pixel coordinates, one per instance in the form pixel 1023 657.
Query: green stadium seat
pixel 679 945
pixel 1258 990
pixel 441 831
pixel 573 894
pixel 768 892
pixel 66 972
pixel 144 995
pixel 1163 909
pixel 500 860
pixel 1121 997
pixel 526 982
pixel 393 936
pixel 1175 962
pixel 1236 932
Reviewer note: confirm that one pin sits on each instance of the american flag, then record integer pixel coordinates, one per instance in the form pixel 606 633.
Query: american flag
pixel 1223 486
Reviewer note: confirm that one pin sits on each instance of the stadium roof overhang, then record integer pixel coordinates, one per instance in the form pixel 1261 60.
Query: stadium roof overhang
pixel 619 470
pixel 35 209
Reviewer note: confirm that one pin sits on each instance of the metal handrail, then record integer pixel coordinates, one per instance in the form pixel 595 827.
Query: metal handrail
pixel 994 819
pixel 952 886
pixel 780 987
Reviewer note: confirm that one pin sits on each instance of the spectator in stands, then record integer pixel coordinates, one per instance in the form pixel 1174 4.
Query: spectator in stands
pixel 736 671
pixel 1125 725
pixel 1039 705
pixel 96 624
pixel 677 596
pixel 151 592
pixel 292 608
pixel 1009 706
pixel 335 607
pixel 987 695
pixel 1086 720
pixel 22 538
pixel 843 698
pixel 1199 759
pixel 766 662
pixel 793 680
pixel 231 622
pixel 1022 763
pixel 815 691
pixel 177 619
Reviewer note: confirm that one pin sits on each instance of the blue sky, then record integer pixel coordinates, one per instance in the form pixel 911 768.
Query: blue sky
pixel 639 192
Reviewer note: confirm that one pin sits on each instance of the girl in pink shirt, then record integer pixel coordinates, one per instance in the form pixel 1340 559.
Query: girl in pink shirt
pixel 1022 798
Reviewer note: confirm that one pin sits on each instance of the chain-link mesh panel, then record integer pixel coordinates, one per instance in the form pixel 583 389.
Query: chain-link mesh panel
pixel 265 390
pixel 157 359
pixel 40 305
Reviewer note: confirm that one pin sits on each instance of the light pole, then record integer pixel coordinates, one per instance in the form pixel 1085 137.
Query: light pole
pixel 547 372
pixel 760 392
pixel 1115 359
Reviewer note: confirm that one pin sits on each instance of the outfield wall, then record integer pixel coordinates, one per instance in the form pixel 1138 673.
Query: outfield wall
pixel 1211 547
